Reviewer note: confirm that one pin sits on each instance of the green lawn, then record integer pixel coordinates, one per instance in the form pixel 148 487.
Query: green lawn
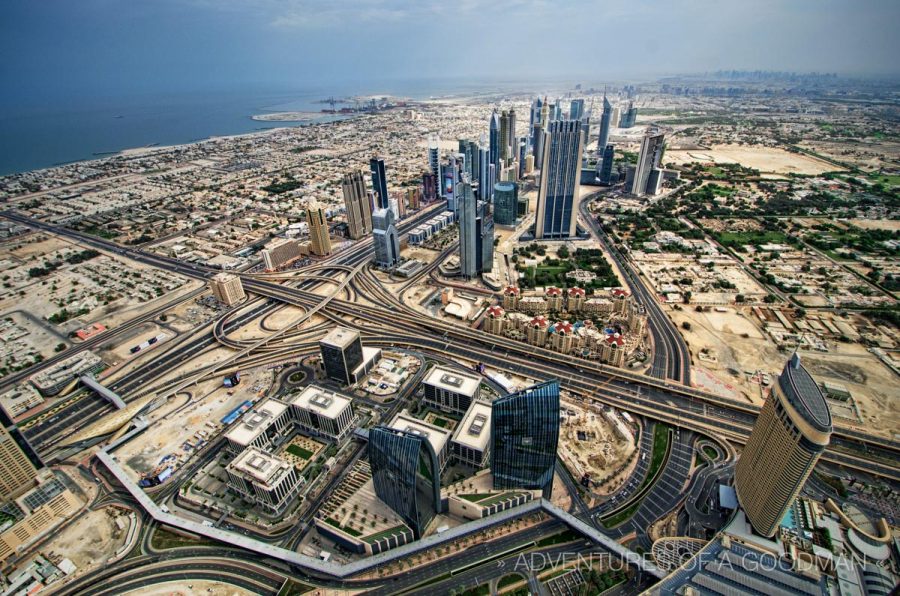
pixel 441 422
pixel 299 451
pixel 710 452
pixel 384 533
pixel 767 237
pixel 508 580
pixel 559 538
pixel 475 497
pixel 164 539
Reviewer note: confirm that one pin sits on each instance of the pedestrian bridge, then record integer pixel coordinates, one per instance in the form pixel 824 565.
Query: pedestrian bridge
pixel 91 383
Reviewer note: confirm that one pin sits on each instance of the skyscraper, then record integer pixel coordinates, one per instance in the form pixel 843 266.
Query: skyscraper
pixel 430 186
pixel 379 182
pixel 576 109
pixel 524 438
pixel 319 236
pixel 469 258
pixel 504 136
pixel 506 197
pixel 484 230
pixel 469 150
pixel 606 166
pixel 511 133
pixel 605 122
pixel 434 156
pixel 356 200
pixel 521 154
pixel 791 432
pixel 537 147
pixel 629 117
pixel 406 475
pixel 485 177
pixel 18 461
pixel 385 238
pixel 560 176
pixel 494 140
pixel 648 160
pixel 534 116
pixel 545 114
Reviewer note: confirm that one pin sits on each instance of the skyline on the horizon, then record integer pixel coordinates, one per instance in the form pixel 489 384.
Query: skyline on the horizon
pixel 102 48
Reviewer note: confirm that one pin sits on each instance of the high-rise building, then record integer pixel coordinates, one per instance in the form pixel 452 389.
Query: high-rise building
pixel 468 232
pixel 522 153
pixel 576 109
pixel 18 460
pixel 537 148
pixel 524 438
pixel 430 186
pixel 560 176
pixel 379 182
pixel 281 252
pixel 605 123
pixel 606 165
pixel 484 238
pixel 791 432
pixel 385 238
pixel 227 288
pixel 319 236
pixel 485 175
pixel 511 133
pixel 648 160
pixel 342 353
pixel 494 140
pixel 356 201
pixel 506 196
pixel 545 114
pixel 629 117
pixel 504 135
pixel 534 116
pixel 469 149
pixel 413 197
pixel 406 475
pixel 434 156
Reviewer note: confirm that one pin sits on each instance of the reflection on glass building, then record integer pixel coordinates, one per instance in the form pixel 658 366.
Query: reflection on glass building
pixel 406 475
pixel 524 437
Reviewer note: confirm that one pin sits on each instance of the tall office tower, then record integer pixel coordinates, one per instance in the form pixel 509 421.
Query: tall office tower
pixel 511 133
pixel 18 461
pixel 522 153
pixel 379 182
pixel 504 136
pixel 449 181
pixel 385 238
pixel 537 144
pixel 605 123
pixel 648 160
pixel 356 200
pixel 342 353
pixel 494 139
pixel 466 152
pixel 469 258
pixel 557 111
pixel 616 117
pixel 576 109
pixel 413 197
pixel 319 237
pixel 227 288
pixel 535 115
pixel 560 176
pixel 484 228
pixel 629 117
pixel 430 186
pixel 524 438
pixel 606 166
pixel 791 432
pixel 434 156
pixel 506 198
pixel 545 114
pixel 485 179
pixel 406 475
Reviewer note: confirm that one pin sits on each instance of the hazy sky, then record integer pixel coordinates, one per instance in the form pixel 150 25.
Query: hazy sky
pixel 85 47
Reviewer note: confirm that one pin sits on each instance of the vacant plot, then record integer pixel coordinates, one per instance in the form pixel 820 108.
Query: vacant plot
pixel 765 159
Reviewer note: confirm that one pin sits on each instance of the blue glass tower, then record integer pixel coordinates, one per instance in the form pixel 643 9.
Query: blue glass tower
pixel 606 166
pixel 494 140
pixel 605 122
pixel 524 438
pixel 506 197
pixel 560 176
pixel 379 183
pixel 406 475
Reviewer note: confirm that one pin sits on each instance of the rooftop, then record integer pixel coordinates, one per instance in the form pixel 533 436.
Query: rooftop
pixel 256 421
pixel 321 401
pixel 340 337
pixel 453 380
pixel 259 466
pixel 804 394
pixel 474 430
pixel 436 435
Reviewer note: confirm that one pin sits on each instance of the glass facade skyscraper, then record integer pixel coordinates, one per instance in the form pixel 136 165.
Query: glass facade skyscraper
pixel 385 239
pixel 524 438
pixel 606 166
pixel 406 475
pixel 560 176
pixel 605 123
pixel 505 197
pixel 379 183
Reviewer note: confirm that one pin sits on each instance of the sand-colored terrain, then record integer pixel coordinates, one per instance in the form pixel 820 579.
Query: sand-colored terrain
pixel 876 224
pixel 91 539
pixel 191 587
pixel 771 160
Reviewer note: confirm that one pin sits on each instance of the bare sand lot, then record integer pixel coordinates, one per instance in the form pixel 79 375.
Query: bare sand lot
pixel 877 224
pixel 765 159
pixel 190 587
pixel 91 539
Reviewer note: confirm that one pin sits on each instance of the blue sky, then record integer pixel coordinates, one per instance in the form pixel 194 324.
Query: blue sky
pixel 103 47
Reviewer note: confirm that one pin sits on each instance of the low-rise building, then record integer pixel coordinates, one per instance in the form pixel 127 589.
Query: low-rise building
pixel 511 298
pixel 280 253
pixel 265 426
pixel 263 479
pixel 322 412
pixel 45 507
pixel 227 288
pixel 471 439
pixel 54 379
pixel 494 320
pixel 450 390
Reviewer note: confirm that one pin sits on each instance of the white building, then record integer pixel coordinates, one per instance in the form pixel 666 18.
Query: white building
pixel 471 440
pixel 437 436
pixel 264 426
pixel 451 390
pixel 263 479
pixel 322 412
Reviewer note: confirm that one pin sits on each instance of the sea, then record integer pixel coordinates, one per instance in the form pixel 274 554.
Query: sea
pixel 46 132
